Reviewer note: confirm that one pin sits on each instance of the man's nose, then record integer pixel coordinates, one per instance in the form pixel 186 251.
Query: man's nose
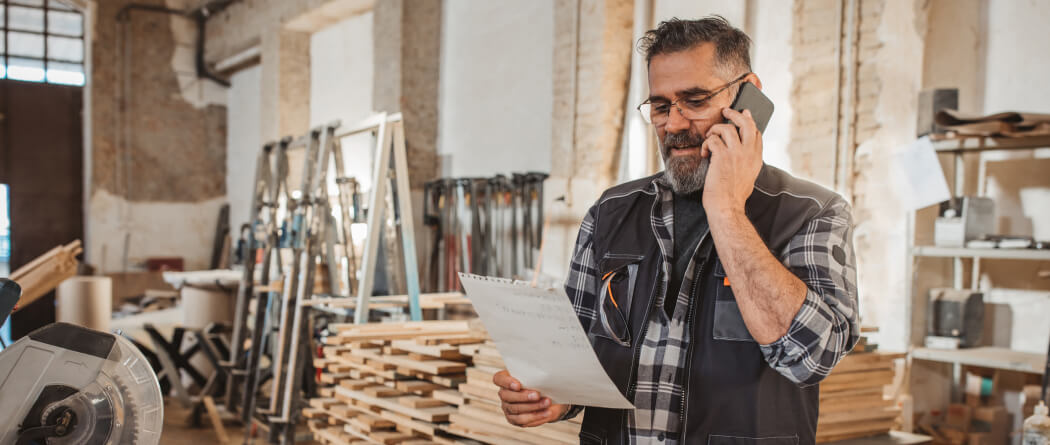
pixel 676 123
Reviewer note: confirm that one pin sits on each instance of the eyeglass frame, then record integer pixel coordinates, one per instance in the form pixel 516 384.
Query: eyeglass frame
pixel 675 103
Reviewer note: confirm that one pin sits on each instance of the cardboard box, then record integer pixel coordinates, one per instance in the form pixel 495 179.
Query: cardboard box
pixel 958 417
pixel 982 439
pixel 993 422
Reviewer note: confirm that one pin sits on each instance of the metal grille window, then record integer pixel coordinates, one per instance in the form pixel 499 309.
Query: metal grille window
pixel 43 41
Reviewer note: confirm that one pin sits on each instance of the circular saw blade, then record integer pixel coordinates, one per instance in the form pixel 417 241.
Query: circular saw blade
pixel 123 406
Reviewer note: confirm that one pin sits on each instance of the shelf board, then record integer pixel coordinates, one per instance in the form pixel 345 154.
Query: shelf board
pixel 967 252
pixel 986 143
pixel 987 357
pixel 893 438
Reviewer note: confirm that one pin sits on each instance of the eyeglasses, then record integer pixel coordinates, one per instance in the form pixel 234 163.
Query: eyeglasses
pixel 691 108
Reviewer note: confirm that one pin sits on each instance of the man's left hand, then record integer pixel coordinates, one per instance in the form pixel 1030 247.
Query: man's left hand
pixel 736 159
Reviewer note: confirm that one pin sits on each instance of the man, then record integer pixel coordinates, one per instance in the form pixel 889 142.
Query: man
pixel 718 293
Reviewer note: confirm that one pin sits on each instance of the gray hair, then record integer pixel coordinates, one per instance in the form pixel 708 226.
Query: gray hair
pixel 732 46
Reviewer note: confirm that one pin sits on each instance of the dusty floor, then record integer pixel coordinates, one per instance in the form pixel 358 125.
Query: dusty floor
pixel 179 431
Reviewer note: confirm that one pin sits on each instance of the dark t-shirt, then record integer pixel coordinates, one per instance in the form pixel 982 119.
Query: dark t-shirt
pixel 690 223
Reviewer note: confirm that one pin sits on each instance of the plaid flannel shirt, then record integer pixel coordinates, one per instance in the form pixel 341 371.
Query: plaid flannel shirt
pixel 822 332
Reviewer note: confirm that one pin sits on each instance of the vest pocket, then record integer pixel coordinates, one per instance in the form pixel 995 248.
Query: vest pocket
pixel 619 274
pixel 716 439
pixel 590 438
pixel 728 322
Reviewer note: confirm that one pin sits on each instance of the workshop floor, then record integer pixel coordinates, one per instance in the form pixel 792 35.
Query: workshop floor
pixel 178 431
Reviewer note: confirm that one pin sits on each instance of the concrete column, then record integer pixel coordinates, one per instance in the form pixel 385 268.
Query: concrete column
pixel 285 101
pixel 407 70
pixel 592 56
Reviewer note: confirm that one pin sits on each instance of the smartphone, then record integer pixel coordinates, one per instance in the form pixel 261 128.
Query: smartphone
pixel 749 97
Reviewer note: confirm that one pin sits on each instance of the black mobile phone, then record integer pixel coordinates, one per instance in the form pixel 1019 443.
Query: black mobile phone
pixel 749 97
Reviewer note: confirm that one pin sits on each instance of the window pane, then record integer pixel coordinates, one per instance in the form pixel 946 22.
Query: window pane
pixel 24 69
pixel 62 48
pixel 56 4
pixel 59 22
pixel 65 73
pixel 39 3
pixel 26 19
pixel 22 44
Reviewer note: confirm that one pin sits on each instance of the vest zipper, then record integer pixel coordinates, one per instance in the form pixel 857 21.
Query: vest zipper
pixel 689 352
pixel 638 348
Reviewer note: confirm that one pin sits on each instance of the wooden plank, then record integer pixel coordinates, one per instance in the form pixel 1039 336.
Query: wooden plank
pixel 865 361
pixel 480 391
pixel 504 433
pixel 438 414
pixel 323 403
pixel 355 383
pixel 858 415
pixel 370 423
pixel 482 436
pixel 216 420
pixel 420 387
pixel 449 396
pixel 415 401
pixel 499 420
pixel 390 437
pixel 421 426
pixel 381 391
pixel 857 380
pixel 453 340
pixel 439 351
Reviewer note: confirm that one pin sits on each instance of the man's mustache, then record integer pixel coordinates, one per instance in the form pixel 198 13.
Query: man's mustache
pixel 680 140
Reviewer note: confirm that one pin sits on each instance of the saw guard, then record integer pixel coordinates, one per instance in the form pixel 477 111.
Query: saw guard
pixel 117 399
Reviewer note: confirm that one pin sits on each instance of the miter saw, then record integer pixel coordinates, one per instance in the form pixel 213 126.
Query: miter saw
pixel 65 384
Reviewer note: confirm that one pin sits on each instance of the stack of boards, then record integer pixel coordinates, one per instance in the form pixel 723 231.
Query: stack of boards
pixel 852 400
pixel 416 382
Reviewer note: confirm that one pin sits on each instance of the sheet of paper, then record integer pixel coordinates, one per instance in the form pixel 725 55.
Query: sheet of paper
pixel 542 342
pixel 920 181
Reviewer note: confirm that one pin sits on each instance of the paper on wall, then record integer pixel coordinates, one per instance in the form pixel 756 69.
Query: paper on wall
pixel 920 180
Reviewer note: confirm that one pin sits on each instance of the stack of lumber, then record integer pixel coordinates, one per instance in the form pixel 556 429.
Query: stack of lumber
pixel 44 273
pixel 852 400
pixel 415 382
pixel 480 417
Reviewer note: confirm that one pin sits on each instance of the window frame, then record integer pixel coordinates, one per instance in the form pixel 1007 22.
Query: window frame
pixel 45 58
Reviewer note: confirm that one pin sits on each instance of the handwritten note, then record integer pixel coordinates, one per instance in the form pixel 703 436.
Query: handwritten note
pixel 542 342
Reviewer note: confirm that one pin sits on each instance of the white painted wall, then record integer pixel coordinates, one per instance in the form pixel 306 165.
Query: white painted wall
pixel 243 142
pixel 341 67
pixel 771 60
pixel 733 10
pixel 341 71
pixel 496 89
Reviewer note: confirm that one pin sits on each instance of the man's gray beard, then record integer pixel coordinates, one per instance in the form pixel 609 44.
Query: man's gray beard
pixel 686 173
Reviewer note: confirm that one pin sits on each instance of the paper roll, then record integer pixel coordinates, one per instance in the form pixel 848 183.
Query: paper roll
pixel 203 306
pixel 85 301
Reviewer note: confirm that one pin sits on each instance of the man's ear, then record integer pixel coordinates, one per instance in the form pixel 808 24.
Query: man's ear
pixel 753 78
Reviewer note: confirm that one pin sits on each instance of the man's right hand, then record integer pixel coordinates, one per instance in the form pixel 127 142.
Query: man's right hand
pixel 523 406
